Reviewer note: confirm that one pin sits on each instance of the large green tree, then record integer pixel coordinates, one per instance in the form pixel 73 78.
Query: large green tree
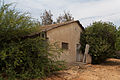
pixel 21 56
pixel 101 36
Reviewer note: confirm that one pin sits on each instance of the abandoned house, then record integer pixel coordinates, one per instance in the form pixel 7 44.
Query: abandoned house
pixel 67 36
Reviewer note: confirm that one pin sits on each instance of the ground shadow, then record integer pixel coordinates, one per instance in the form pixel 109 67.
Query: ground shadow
pixel 111 62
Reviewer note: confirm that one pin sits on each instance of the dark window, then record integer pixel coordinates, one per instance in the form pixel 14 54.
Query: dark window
pixel 64 45
pixel 43 35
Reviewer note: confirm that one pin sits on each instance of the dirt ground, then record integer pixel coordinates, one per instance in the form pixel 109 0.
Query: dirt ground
pixel 110 70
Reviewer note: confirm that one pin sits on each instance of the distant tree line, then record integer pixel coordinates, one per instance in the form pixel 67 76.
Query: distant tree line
pixel 47 18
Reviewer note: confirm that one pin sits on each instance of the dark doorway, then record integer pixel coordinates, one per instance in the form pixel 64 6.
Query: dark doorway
pixel 78 52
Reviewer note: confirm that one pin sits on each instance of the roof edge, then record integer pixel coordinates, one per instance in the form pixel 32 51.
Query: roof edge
pixel 80 24
pixel 56 26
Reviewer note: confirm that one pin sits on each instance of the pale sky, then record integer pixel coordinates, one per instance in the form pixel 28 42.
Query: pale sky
pixel 87 11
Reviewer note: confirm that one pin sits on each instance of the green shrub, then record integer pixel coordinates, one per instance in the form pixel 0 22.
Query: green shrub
pixel 21 57
pixel 117 55
pixel 118 40
pixel 101 36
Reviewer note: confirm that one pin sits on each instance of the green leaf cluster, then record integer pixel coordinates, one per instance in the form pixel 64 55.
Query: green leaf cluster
pixel 101 36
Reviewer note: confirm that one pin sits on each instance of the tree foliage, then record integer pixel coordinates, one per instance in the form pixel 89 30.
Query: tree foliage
pixel 118 43
pixel 67 16
pixel 101 36
pixel 46 17
pixel 118 40
pixel 23 57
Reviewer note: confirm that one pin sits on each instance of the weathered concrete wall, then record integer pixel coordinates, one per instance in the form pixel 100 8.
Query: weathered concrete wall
pixel 67 33
pixel 88 59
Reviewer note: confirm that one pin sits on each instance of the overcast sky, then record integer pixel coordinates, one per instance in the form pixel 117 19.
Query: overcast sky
pixel 87 11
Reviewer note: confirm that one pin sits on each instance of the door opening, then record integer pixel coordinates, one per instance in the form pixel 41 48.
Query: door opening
pixel 78 52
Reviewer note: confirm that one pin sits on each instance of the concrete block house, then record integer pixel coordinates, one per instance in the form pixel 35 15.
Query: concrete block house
pixel 67 35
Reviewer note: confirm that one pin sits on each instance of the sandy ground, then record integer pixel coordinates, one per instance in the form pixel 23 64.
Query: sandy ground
pixel 110 70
